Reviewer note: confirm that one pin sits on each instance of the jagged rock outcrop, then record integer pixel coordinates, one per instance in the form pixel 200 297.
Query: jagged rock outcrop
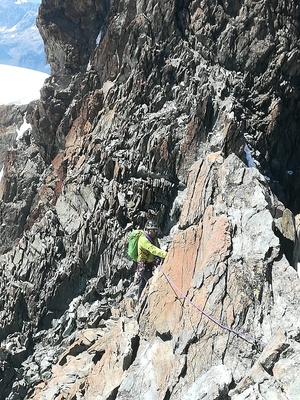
pixel 11 119
pixel 187 112
pixel 12 124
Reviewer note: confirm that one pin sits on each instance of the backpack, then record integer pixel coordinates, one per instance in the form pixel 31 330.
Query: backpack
pixel 132 248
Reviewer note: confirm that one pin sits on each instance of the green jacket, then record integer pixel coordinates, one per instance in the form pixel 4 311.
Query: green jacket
pixel 147 251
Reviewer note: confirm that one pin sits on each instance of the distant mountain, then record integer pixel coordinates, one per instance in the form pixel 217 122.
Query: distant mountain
pixel 20 42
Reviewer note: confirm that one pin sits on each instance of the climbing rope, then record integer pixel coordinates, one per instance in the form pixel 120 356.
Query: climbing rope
pixel 241 334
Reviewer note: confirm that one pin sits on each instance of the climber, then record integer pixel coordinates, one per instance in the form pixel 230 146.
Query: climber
pixel 148 250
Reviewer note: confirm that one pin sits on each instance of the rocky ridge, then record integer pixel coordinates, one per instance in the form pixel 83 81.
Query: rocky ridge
pixel 186 112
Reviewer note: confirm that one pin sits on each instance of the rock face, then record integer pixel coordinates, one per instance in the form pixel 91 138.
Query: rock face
pixel 186 112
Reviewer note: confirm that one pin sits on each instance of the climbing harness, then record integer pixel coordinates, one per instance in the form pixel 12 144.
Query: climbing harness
pixel 241 334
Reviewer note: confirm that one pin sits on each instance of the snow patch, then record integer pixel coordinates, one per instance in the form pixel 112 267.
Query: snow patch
pixel 98 40
pixel 249 158
pixel 20 85
pixel 23 128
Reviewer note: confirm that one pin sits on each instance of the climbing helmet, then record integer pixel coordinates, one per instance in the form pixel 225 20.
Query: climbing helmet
pixel 151 225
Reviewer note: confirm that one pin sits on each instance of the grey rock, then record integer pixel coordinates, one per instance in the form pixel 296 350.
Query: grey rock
pixel 186 112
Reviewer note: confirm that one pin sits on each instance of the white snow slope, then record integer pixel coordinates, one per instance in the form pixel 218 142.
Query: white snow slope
pixel 20 85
